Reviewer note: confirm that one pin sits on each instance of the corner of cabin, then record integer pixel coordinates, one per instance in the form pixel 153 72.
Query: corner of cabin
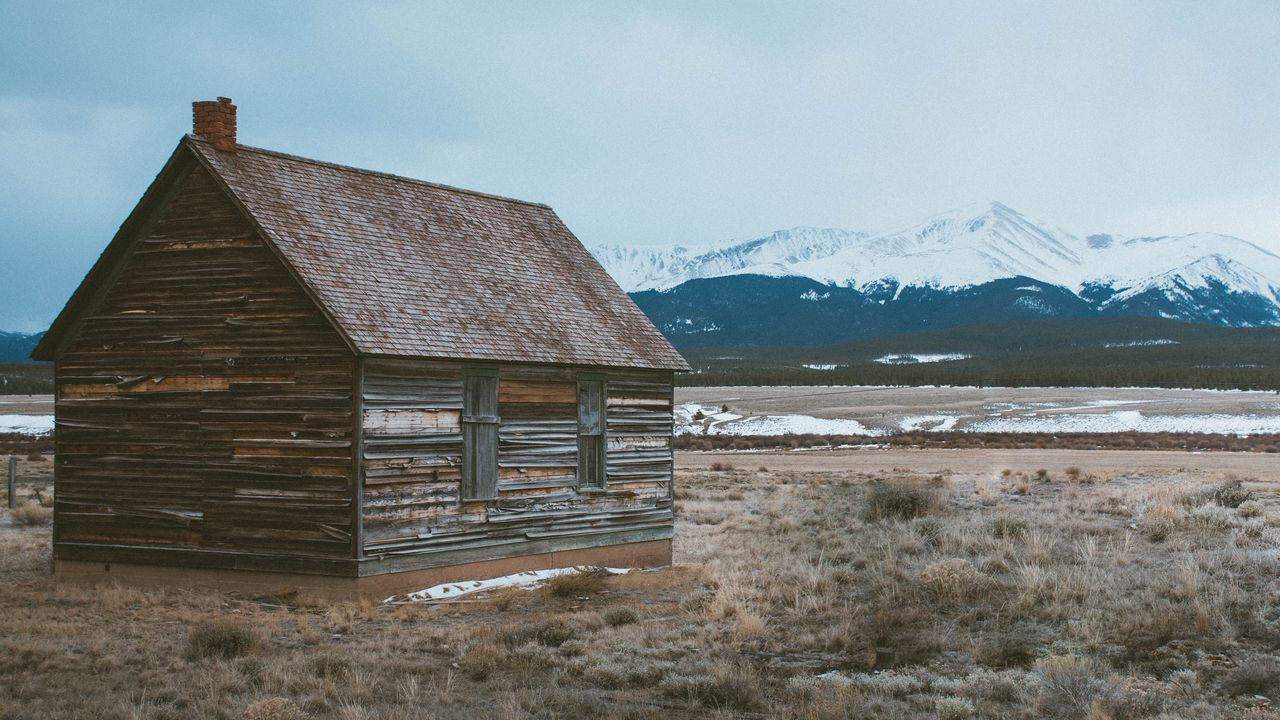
pixel 204 404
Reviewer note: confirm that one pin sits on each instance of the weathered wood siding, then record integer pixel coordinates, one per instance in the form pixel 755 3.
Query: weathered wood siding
pixel 206 403
pixel 412 446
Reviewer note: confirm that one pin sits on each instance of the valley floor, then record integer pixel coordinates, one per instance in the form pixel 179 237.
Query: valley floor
pixel 875 583
pixel 871 410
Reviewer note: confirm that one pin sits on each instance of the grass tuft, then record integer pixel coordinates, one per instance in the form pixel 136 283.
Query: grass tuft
pixel 619 616
pixel 32 515
pixel 904 499
pixel 223 640
pixel 580 583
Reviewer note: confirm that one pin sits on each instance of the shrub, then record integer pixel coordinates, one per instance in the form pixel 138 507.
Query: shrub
pixel 953 580
pixel 1251 509
pixel 556 633
pixel 274 709
pixel 729 688
pixel 930 530
pixel 1255 678
pixel 722 467
pixel 609 676
pixel 553 633
pixel 621 616
pixel 1071 685
pixel 1211 518
pixel 1018 646
pixel 576 584
pixel 480 661
pixel 35 456
pixel 954 708
pixel 892 683
pixel 1159 522
pixel 328 664
pixel 573 648
pixel 32 515
pixel 1007 526
pixel 252 668
pixel 697 601
pixel 1231 494
pixel 223 640
pixel 902 500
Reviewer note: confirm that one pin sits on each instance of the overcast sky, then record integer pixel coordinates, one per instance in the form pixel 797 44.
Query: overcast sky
pixel 647 123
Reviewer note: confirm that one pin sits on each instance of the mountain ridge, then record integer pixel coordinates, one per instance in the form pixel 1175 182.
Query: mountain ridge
pixel 906 280
pixel 996 240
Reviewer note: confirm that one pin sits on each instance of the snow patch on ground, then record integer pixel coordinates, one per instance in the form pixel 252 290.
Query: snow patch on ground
pixel 26 424
pixel 1065 414
pixel 910 358
pixel 688 421
pixel 528 579
pixel 715 422
pixel 793 425
pixel 931 423
pixel 1141 343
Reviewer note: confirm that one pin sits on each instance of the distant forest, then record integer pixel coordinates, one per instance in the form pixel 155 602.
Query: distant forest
pixel 26 379
pixel 1114 352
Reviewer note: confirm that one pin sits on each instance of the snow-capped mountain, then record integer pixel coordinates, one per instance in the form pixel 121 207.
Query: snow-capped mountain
pixel 776 255
pixel 1202 277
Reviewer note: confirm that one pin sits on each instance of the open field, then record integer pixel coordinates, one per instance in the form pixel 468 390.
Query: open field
pixel 871 583
pixel 857 410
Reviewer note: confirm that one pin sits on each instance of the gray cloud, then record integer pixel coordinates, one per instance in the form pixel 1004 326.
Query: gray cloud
pixel 648 123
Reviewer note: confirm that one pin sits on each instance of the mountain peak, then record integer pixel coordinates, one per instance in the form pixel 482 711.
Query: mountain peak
pixel 967 247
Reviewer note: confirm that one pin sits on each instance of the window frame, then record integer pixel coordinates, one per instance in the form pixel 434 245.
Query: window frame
pixel 479 475
pixel 592 467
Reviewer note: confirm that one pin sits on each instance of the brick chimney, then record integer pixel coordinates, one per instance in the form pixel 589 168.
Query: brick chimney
pixel 215 121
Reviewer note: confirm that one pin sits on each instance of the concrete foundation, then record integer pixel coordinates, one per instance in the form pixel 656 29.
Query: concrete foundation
pixel 652 553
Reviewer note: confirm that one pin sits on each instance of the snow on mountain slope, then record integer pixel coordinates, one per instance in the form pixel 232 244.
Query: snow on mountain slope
pixel 971 246
pixel 1135 265
pixel 967 246
pixel 776 255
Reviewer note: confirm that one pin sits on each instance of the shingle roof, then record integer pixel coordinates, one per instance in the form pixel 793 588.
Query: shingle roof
pixel 411 268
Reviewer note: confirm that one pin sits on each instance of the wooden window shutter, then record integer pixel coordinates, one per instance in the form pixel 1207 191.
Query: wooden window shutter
pixel 480 436
pixel 592 425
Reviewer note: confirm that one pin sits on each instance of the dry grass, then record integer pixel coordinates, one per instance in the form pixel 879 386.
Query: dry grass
pixel 581 584
pixel 33 515
pixel 959 596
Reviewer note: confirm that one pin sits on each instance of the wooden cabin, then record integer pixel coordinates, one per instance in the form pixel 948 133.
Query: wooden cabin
pixel 284 373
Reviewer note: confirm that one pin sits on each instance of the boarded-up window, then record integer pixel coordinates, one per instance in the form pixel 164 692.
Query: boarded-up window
pixel 480 436
pixel 591 433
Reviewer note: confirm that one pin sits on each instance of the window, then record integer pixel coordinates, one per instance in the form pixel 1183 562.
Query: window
pixel 591 433
pixel 480 435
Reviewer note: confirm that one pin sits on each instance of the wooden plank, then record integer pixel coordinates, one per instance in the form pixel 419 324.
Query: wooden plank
pixel 205 402
pixel 411 421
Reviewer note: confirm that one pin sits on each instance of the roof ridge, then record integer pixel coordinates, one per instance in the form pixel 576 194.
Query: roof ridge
pixel 375 173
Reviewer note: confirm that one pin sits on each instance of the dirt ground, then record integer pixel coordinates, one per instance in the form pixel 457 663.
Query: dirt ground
pixel 885 583
pixel 26 404
pixel 977 462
